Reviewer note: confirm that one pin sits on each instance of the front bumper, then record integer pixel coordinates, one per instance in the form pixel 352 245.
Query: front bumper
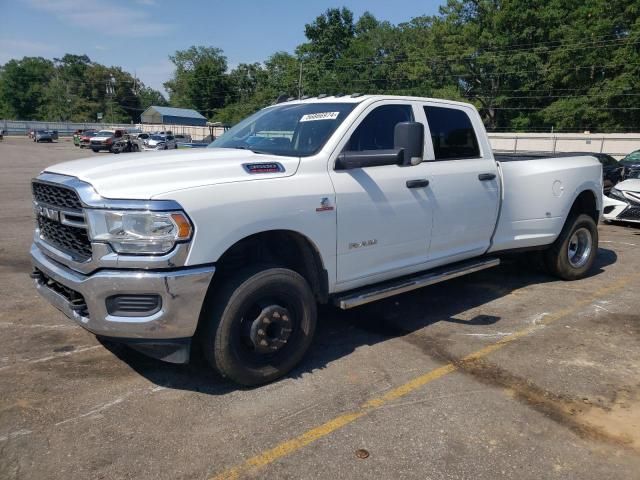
pixel 182 292
pixel 617 210
pixel 100 146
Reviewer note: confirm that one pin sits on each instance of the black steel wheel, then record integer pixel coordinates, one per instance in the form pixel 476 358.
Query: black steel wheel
pixel 259 325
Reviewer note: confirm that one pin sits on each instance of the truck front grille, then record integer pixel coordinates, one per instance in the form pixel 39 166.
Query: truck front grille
pixel 56 196
pixel 71 240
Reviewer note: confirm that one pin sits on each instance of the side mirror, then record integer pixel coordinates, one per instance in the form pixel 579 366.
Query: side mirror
pixel 409 137
pixel 408 140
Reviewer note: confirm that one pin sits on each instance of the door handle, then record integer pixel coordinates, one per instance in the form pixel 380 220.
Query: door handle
pixel 483 177
pixel 421 183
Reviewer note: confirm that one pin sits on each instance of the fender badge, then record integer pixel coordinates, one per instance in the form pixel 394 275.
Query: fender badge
pixel 325 205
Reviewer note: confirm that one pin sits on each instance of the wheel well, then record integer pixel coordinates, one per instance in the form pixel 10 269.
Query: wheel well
pixel 585 203
pixel 284 248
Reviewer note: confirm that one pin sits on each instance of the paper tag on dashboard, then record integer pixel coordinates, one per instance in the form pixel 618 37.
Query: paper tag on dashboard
pixel 310 117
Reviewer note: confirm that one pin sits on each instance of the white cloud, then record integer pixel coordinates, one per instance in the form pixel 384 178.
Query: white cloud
pixel 12 48
pixel 103 17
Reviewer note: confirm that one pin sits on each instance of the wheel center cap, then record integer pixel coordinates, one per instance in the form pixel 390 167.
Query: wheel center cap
pixel 271 329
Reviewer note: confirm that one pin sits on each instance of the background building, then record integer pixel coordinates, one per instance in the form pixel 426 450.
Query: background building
pixel 172 116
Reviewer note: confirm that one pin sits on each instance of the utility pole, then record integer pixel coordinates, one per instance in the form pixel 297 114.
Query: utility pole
pixel 300 82
pixel 111 90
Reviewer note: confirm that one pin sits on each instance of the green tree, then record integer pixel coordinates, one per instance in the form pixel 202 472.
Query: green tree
pixel 200 80
pixel 23 87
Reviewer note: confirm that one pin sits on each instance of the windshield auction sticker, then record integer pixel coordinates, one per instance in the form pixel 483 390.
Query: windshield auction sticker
pixel 310 117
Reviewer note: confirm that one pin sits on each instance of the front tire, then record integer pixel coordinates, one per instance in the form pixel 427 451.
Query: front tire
pixel 572 254
pixel 259 325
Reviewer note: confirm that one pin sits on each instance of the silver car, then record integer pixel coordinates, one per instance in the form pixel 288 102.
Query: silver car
pixel 161 142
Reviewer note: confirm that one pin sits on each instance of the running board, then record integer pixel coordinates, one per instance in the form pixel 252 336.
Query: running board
pixel 406 284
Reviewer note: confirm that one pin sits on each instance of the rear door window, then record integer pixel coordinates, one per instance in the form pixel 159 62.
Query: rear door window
pixel 452 133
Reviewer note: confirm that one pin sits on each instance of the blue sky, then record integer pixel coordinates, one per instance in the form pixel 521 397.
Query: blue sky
pixel 138 35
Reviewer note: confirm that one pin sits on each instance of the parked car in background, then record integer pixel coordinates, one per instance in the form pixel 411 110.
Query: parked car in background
pixel 611 170
pixel 183 138
pixel 45 136
pixel 144 136
pixel 104 139
pixel 161 142
pixel 623 202
pixel 631 164
pixel 127 143
pixel 78 134
pixel 85 138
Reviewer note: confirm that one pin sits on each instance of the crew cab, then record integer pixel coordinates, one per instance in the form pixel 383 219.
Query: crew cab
pixel 343 200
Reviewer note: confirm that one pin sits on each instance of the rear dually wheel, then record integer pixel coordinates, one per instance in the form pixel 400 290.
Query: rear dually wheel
pixel 572 255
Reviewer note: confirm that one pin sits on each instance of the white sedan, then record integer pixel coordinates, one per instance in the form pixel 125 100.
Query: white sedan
pixel 161 142
pixel 623 202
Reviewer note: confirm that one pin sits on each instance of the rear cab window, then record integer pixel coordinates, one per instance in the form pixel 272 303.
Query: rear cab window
pixel 452 133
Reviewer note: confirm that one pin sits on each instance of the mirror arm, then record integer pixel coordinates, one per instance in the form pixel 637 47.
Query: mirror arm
pixel 369 158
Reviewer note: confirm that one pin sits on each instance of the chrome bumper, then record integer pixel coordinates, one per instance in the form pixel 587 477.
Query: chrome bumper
pixel 182 292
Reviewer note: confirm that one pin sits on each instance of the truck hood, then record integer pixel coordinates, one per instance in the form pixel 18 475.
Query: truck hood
pixel 102 138
pixel 145 175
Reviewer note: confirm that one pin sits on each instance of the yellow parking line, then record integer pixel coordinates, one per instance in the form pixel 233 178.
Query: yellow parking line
pixel 289 446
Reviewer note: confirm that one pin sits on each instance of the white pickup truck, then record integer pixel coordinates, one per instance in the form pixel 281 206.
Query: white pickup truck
pixel 345 199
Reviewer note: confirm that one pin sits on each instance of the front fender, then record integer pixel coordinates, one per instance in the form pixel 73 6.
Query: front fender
pixel 224 214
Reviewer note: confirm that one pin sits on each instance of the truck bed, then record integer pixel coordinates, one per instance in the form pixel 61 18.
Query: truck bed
pixel 537 196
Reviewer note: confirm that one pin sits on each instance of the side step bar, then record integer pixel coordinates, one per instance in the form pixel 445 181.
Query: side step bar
pixel 406 284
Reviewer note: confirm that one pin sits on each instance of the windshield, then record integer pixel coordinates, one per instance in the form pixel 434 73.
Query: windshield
pixel 632 158
pixel 104 133
pixel 297 130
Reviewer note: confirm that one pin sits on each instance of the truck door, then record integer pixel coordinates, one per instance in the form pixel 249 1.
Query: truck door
pixel 463 184
pixel 383 222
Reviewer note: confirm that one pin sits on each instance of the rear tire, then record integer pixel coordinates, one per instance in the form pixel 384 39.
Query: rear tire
pixel 258 325
pixel 572 255
pixel 95 150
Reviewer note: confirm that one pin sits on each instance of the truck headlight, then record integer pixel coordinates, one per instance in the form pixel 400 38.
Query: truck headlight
pixel 139 232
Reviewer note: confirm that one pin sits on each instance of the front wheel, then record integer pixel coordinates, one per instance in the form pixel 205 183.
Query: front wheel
pixel 259 325
pixel 572 254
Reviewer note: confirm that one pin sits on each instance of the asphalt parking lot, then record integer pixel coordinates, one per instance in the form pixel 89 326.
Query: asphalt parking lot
pixel 507 373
